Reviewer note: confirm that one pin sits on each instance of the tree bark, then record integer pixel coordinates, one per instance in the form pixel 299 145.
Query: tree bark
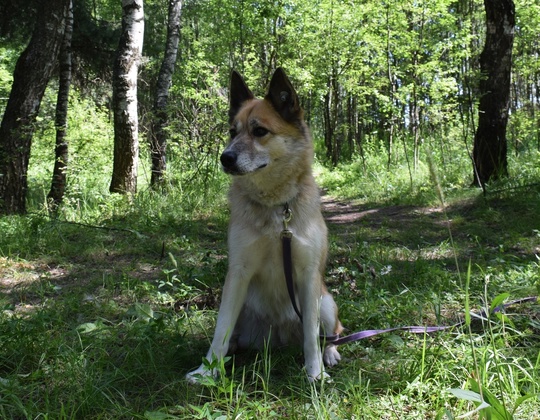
pixel 58 183
pixel 158 133
pixel 332 139
pixel 126 122
pixel 490 144
pixel 31 76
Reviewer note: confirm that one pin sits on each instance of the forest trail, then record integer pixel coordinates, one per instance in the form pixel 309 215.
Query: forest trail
pixel 403 224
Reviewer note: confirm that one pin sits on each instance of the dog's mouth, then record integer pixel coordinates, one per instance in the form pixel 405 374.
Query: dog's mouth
pixel 237 172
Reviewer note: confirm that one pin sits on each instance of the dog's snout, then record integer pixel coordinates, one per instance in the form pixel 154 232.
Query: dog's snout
pixel 228 159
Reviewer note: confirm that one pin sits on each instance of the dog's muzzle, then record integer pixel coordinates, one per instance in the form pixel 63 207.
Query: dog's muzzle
pixel 230 162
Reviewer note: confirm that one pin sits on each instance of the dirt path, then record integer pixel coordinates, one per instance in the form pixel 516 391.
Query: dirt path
pixel 340 212
pixel 406 225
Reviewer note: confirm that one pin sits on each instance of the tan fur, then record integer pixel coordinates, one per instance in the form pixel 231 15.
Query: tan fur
pixel 269 171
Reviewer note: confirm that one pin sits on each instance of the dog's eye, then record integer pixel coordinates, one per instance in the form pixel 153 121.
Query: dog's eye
pixel 260 132
pixel 232 133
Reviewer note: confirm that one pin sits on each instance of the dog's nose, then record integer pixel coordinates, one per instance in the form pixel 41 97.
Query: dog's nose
pixel 228 159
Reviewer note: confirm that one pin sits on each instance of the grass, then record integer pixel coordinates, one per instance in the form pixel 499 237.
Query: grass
pixel 106 307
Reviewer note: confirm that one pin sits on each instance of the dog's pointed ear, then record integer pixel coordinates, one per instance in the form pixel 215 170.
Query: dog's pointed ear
pixel 239 93
pixel 283 97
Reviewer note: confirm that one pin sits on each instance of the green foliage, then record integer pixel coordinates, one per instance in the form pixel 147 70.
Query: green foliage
pixel 8 57
pixel 369 178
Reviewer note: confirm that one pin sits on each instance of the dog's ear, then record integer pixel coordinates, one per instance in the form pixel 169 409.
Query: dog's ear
pixel 283 97
pixel 239 93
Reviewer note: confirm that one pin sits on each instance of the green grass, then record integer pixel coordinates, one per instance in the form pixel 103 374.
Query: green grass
pixel 104 308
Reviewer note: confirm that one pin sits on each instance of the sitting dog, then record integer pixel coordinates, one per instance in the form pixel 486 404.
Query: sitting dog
pixel 269 156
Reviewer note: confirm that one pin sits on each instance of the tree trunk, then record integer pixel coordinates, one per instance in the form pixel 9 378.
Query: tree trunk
pixel 327 123
pixel 330 115
pixel 32 72
pixel 490 144
pixel 58 183
pixel 158 134
pixel 126 130
pixel 388 121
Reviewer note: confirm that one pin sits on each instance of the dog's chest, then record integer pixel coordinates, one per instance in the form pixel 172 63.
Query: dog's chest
pixel 255 243
pixel 267 292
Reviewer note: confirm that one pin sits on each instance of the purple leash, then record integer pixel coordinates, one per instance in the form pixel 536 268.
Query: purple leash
pixel 336 340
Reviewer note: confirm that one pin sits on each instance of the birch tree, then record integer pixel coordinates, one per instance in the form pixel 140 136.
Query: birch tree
pixel 58 183
pixel 158 133
pixel 126 65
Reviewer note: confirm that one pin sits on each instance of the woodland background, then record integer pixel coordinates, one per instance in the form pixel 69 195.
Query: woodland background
pixel 375 78
pixel 114 217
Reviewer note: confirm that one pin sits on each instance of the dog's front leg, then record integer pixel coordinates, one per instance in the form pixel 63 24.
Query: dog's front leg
pixel 232 300
pixel 310 297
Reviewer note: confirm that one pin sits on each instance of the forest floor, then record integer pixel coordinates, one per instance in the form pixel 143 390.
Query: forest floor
pixel 109 318
pixel 350 224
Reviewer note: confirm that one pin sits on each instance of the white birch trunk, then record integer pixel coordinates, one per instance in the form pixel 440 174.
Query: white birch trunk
pixel 126 122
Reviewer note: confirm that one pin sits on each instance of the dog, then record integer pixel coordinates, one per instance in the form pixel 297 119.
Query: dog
pixel 270 157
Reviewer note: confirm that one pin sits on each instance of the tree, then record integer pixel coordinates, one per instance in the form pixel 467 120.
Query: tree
pixel 31 76
pixel 490 145
pixel 158 134
pixel 126 135
pixel 58 183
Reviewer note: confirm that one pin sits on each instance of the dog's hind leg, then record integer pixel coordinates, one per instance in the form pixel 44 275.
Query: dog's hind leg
pixel 330 326
pixel 310 301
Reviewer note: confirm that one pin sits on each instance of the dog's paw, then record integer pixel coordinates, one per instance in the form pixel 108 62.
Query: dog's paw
pixel 331 355
pixel 323 376
pixel 315 371
pixel 198 376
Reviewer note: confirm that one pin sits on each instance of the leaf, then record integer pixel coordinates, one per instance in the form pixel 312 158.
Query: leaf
pixel 524 398
pixel 468 414
pixel 141 311
pixel 497 408
pixel 497 301
pixel 467 395
pixel 396 341
pixel 504 319
pixel 87 328
pixel 472 396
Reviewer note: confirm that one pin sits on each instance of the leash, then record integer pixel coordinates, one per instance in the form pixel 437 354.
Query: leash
pixel 286 239
pixel 419 329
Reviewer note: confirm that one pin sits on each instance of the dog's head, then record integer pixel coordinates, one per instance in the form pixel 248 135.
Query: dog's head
pixel 261 129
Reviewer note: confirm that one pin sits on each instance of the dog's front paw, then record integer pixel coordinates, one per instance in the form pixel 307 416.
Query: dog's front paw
pixel 331 355
pixel 322 376
pixel 198 376
pixel 315 371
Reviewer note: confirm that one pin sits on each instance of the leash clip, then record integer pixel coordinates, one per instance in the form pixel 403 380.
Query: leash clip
pixel 287 216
